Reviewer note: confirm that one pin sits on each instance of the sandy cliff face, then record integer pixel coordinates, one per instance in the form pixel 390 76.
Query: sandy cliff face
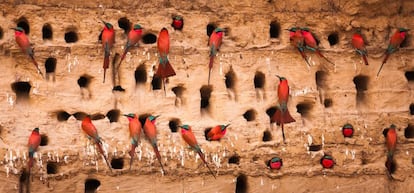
pixel 243 88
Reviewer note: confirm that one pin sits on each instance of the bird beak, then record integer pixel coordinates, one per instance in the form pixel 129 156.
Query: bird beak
pixel 157 116
pixel 125 115
pixel 278 76
pixel 225 126
pixel 14 28
pixel 103 22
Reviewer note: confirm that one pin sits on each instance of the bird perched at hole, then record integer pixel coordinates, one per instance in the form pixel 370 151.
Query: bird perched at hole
pixel 133 38
pixel 217 132
pixel 282 115
pixel 297 40
pixel 134 133
pixel 275 163
pixel 178 22
pixel 188 136
pixel 214 43
pixel 108 40
pixel 358 43
pixel 165 69
pixel 34 142
pixel 327 161
pixel 150 130
pixel 391 142
pixel 311 44
pixel 89 128
pixel 395 42
pixel 23 41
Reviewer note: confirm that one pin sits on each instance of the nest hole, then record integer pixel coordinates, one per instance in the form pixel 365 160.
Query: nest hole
pixel 1 33
pixel 71 36
pixel 333 38
pixel 62 115
pixel 156 83
pixel 206 131
pixel 44 140
pixel 274 29
pixel 267 136
pixel 178 91
pixel 142 118
pixel 259 80
pixel 234 159
pixel 409 75
pixel 210 28
pixel 117 163
pixel 327 103
pixel 271 111
pixel 50 65
pixel 321 79
pixel 409 131
pixel 140 74
pixel 250 115
pixel 80 115
pixel 149 38
pixel 304 108
pixel 241 184
pixel 173 124
pixel 84 81
pixel 113 115
pixel 230 79
pixel 51 168
pixel 47 32
pixel 315 147
pixel 97 116
pixel 124 24
pixel 205 93
pixel 91 185
pixel 411 109
pixel 361 85
pixel 23 23
pixel 22 89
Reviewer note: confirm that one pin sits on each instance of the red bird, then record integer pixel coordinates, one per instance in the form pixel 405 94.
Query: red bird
pixel 165 69
pixel 282 115
pixel 189 138
pixel 108 40
pixel 90 130
pixel 217 132
pixel 310 43
pixel 214 44
pixel 34 142
pixel 327 161
pixel 297 40
pixel 23 41
pixel 275 163
pixel 395 43
pixel 151 132
pixel 359 45
pixel 133 38
pixel 178 22
pixel 134 133
pixel 391 142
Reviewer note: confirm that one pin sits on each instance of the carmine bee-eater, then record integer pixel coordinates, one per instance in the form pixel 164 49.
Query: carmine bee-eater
pixel 165 69
pixel 189 138
pixel 214 43
pixel 310 43
pixel 282 115
pixel 133 38
pixel 34 142
pixel 327 161
pixel 217 132
pixel 275 163
pixel 358 43
pixel 297 40
pixel 108 40
pixel 178 22
pixel 23 41
pixel 391 142
pixel 151 132
pixel 395 43
pixel 90 130
pixel 134 133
